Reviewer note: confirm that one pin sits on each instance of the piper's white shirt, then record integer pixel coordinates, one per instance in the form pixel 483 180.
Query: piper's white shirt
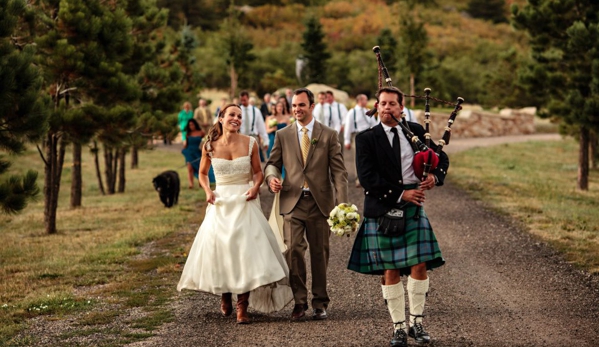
pixel 255 117
pixel 357 121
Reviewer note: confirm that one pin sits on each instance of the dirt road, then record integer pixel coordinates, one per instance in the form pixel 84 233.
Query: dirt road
pixel 499 287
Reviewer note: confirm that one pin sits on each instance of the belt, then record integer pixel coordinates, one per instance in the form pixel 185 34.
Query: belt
pixel 306 193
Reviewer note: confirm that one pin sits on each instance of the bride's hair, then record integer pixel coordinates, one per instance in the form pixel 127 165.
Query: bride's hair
pixel 216 130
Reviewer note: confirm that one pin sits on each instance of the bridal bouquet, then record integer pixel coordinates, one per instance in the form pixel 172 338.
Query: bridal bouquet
pixel 344 219
pixel 273 123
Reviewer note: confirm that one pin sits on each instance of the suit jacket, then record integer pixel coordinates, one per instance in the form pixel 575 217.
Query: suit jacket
pixel 324 171
pixel 379 172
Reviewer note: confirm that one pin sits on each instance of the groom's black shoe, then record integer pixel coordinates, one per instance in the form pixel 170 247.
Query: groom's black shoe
pixel 400 338
pixel 418 334
pixel 319 314
pixel 299 311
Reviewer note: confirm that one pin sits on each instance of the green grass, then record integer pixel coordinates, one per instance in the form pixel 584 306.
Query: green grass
pixel 535 183
pixel 94 259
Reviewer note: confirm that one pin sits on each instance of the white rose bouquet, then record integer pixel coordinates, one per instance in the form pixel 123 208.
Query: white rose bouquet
pixel 344 219
pixel 273 123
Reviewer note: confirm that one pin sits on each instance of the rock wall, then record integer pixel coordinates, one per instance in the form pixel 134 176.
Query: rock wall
pixel 477 123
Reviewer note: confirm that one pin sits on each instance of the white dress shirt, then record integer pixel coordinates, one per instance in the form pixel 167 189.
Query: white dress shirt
pixel 300 133
pixel 252 123
pixel 322 113
pixel 338 113
pixel 357 121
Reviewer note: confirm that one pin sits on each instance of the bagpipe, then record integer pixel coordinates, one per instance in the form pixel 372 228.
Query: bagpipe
pixel 425 159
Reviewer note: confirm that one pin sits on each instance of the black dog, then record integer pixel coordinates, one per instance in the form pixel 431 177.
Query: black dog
pixel 167 186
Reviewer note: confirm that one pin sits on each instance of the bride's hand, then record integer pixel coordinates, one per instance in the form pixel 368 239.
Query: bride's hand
pixel 210 197
pixel 252 193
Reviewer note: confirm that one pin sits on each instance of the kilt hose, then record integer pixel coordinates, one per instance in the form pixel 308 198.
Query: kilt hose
pixel 373 253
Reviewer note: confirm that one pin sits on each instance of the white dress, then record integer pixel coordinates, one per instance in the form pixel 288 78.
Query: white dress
pixel 235 249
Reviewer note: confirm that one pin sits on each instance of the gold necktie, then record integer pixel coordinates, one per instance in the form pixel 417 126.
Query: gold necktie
pixel 305 149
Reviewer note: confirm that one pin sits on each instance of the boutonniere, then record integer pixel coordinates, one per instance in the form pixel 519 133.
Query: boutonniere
pixel 314 142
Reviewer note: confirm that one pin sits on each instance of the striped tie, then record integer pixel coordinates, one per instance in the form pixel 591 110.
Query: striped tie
pixel 305 149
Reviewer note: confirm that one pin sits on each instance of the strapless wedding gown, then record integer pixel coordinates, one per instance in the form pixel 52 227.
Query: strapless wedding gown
pixel 235 250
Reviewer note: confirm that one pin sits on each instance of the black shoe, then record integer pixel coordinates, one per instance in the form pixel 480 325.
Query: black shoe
pixel 400 338
pixel 299 311
pixel 319 314
pixel 418 334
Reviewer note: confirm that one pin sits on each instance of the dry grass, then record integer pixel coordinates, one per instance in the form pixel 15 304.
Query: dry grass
pixel 96 247
pixel 536 183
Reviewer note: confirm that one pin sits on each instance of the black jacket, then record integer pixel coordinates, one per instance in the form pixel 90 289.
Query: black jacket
pixel 380 173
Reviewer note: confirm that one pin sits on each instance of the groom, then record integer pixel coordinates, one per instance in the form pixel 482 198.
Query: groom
pixel 315 181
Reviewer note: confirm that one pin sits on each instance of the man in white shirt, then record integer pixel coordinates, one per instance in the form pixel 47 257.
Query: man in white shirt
pixel 338 114
pixel 322 111
pixel 252 122
pixel 409 114
pixel 357 121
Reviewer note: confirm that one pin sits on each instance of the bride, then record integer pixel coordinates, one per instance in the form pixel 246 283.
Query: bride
pixel 235 250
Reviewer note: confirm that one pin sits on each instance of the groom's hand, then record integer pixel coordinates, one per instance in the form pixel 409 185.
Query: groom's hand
pixel 275 185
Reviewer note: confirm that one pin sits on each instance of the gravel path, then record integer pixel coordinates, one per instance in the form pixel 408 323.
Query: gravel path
pixel 499 287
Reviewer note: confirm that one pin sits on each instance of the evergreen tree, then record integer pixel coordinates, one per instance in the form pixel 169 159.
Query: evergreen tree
pixel 564 76
pixel 414 42
pixel 236 47
pixel 491 10
pixel 22 113
pixel 388 45
pixel 160 82
pixel 314 51
pixel 81 46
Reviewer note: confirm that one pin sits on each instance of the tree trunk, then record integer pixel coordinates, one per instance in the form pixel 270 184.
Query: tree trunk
pixel 582 181
pixel 49 212
pixel 95 151
pixel 108 162
pixel 134 157
pixel 233 81
pixel 122 156
pixel 412 100
pixel 55 151
pixel 76 180
pixel 593 148
pixel 115 167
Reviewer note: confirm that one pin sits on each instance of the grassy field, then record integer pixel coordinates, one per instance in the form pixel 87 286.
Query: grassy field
pixel 535 183
pixel 96 258
pixel 125 251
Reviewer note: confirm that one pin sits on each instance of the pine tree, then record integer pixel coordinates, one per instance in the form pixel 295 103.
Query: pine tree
pixel 22 113
pixel 81 46
pixel 388 45
pixel 236 47
pixel 315 52
pixel 564 36
pixel 160 81
pixel 414 41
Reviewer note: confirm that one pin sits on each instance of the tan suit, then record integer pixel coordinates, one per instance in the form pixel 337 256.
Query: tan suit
pixel 305 216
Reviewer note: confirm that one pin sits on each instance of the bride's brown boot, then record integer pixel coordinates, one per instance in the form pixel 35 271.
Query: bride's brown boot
pixel 226 306
pixel 242 308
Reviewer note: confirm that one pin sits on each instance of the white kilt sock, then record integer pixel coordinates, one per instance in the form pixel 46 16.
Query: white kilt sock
pixel 417 290
pixel 396 303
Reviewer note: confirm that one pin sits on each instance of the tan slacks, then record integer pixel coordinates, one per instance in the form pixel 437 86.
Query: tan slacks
pixel 306 223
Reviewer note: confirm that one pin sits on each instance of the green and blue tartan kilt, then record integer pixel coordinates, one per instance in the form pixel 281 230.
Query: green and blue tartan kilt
pixel 373 252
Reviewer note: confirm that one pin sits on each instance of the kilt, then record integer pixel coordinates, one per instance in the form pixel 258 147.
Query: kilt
pixel 373 253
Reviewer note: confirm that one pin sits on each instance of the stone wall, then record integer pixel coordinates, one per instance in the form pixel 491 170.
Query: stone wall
pixel 478 123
